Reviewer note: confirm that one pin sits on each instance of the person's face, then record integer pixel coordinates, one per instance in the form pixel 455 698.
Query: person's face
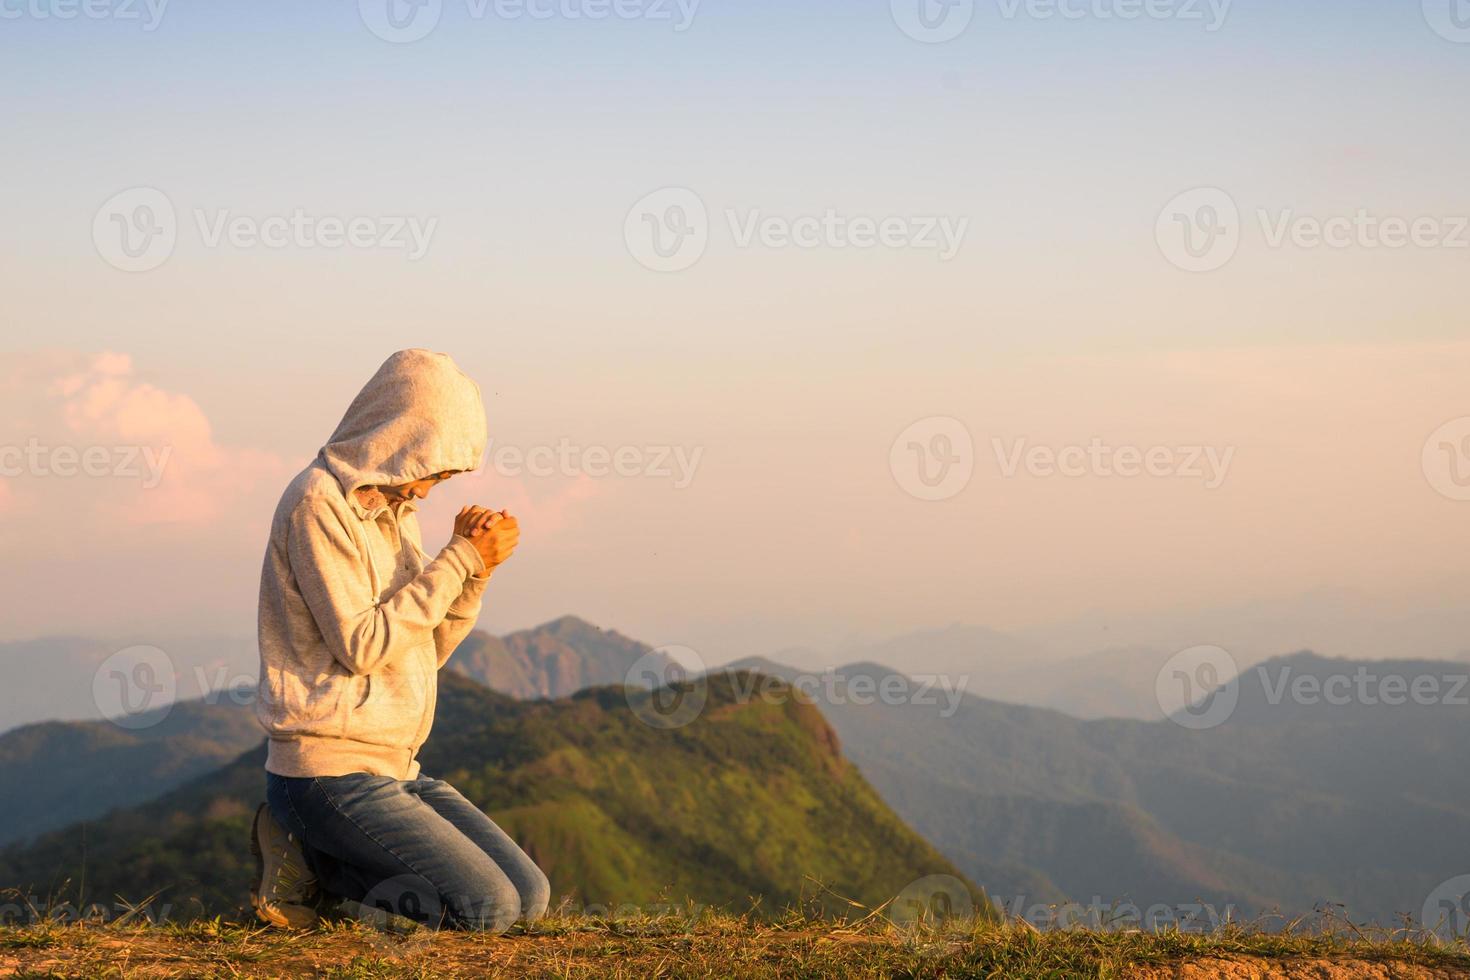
pixel 418 489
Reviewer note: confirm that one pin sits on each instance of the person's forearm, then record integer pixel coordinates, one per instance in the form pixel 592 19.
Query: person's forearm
pixel 362 632
pixel 461 618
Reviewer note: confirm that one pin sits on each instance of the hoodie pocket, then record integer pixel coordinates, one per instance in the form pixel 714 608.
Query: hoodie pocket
pixel 392 703
pixel 301 700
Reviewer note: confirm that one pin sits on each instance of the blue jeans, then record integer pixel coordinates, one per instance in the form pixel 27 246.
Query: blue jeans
pixel 416 848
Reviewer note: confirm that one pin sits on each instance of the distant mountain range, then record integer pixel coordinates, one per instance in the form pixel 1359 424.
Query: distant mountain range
pixel 1111 683
pixel 52 678
pixel 1358 625
pixel 1290 803
pixel 1111 680
pixel 55 678
pixel 553 660
pixel 57 772
pixel 61 772
pixel 751 804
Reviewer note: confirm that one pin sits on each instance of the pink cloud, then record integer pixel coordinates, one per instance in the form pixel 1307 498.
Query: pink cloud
pixel 154 456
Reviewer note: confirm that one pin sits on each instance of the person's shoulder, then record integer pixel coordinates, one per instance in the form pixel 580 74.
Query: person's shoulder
pixel 313 488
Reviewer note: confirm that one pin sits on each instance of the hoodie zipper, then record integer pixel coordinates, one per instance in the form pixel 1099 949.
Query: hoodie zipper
pixel 426 677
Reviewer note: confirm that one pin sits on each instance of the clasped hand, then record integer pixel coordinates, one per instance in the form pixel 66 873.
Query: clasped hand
pixel 494 533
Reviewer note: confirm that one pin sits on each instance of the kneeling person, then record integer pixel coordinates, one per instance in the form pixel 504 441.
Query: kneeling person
pixel 355 621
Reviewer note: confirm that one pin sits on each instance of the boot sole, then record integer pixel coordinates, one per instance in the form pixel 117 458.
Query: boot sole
pixel 280 916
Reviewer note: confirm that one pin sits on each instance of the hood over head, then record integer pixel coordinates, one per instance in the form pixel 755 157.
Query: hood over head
pixel 419 415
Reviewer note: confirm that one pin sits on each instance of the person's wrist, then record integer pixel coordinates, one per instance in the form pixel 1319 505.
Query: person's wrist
pixel 485 567
pixel 477 565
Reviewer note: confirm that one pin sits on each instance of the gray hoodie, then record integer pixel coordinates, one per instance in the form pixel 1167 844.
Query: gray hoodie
pixel 355 619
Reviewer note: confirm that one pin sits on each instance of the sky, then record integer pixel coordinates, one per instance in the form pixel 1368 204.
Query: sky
pixel 1010 313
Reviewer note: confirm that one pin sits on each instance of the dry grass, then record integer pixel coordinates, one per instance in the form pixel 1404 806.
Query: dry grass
pixel 707 945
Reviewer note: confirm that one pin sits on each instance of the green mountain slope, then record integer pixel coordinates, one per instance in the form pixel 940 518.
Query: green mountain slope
pixel 57 773
pixel 1291 804
pixel 748 803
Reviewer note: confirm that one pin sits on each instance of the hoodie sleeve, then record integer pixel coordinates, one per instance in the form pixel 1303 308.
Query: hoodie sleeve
pixel 462 614
pixel 361 632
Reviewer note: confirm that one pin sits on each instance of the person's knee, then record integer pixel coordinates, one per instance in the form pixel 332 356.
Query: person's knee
pixel 535 896
pixel 493 908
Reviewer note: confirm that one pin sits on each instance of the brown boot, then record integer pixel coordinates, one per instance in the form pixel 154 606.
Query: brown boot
pixel 284 892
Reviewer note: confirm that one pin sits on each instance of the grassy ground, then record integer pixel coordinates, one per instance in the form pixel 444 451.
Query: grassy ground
pixel 707 945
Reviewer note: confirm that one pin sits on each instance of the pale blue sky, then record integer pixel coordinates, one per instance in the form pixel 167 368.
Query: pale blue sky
pixel 1059 141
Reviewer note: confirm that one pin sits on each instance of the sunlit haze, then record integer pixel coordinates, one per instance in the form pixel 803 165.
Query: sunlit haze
pixel 731 449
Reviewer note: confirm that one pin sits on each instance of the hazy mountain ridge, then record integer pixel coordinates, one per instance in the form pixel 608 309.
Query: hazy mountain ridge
pixel 553 660
pixel 1112 678
pixel 749 801
pixel 53 678
pixel 1110 682
pixel 67 771
pixel 1285 803
pixel 61 772
pixel 1288 802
